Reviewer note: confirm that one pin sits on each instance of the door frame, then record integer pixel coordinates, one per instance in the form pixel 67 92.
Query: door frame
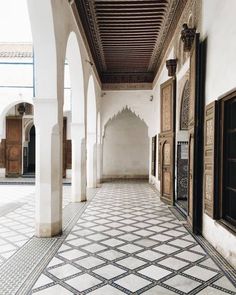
pixel 198 154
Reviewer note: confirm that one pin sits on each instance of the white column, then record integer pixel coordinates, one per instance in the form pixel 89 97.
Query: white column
pixel 78 162
pixel 99 162
pixel 48 168
pixel 91 160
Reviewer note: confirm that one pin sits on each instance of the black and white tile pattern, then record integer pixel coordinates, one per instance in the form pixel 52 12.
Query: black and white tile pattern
pixel 128 242
pixel 17 214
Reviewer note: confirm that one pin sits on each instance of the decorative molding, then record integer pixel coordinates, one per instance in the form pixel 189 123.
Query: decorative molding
pixel 192 7
pixel 92 20
pixel 118 112
pixel 127 86
pixel 175 10
pixel 187 36
pixel 171 65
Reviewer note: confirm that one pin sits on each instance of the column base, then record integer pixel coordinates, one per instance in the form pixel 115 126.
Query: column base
pixel 78 199
pixel 48 230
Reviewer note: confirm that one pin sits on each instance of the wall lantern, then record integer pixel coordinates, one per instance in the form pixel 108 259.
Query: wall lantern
pixel 21 109
pixel 187 36
pixel 171 67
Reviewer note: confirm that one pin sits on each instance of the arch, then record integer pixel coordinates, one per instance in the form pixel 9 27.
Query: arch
pixel 27 128
pixel 73 57
pixel 125 147
pixel 117 112
pixel 184 109
pixel 4 112
pixel 45 53
pixel 91 107
pixel 190 21
pixel 31 150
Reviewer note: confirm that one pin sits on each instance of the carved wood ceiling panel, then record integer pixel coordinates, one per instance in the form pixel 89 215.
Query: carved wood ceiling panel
pixel 126 37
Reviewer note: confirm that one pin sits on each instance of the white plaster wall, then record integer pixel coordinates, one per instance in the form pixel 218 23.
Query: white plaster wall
pixel 220 30
pixel 113 102
pixel 126 147
pixel 221 239
pixel 16 84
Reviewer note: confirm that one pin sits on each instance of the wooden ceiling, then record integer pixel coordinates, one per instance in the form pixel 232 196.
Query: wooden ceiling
pixel 126 37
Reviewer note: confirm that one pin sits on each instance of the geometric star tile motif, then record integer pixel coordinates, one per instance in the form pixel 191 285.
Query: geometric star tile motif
pixel 125 242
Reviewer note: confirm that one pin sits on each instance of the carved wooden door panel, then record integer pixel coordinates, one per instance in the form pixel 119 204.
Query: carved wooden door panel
pixel 13 146
pixel 210 160
pixel 167 168
pixel 195 141
pixel 166 141
pixel 3 153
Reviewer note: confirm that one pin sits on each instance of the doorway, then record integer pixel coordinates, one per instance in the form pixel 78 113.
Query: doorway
pixel 29 154
pixel 182 152
pixel 31 151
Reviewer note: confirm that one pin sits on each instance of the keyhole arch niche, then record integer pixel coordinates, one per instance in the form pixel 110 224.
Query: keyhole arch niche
pixel 125 147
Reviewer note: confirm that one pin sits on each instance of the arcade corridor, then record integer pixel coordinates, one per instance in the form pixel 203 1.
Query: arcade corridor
pixel 123 241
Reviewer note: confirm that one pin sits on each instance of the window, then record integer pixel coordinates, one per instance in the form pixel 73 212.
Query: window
pixel 228 161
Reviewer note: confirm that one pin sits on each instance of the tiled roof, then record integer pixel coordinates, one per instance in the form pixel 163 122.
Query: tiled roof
pixel 16 50
pixel 14 54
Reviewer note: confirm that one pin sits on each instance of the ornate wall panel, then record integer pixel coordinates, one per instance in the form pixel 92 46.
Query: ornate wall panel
pixel 166 108
pixel 184 113
pixel 182 170
pixel 209 159
pixel 192 89
pixel 167 154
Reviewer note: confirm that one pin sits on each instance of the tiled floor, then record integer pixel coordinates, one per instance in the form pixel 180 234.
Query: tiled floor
pixel 128 242
pixel 17 216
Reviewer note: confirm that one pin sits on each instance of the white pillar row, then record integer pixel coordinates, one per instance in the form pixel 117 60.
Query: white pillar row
pixel 91 160
pixel 48 168
pixel 78 162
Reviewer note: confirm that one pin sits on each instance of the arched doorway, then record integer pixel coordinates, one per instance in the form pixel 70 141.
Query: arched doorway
pixel 182 152
pixel 31 151
pixel 18 124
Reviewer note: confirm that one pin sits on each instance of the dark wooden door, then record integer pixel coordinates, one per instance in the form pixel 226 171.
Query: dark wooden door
pixel 166 141
pixel 64 147
pixel 13 146
pixel 196 111
pixel 154 150
pixel 229 163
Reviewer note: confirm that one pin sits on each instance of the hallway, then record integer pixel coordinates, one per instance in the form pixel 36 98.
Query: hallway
pixel 128 242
